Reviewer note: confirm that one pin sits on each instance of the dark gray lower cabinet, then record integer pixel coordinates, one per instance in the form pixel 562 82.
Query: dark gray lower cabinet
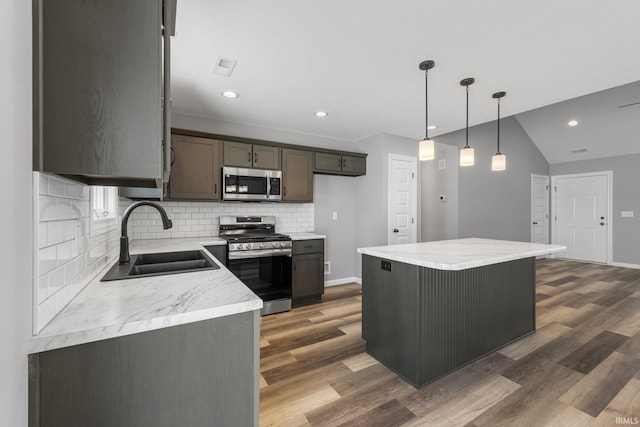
pixel 423 323
pixel 308 270
pixel 198 374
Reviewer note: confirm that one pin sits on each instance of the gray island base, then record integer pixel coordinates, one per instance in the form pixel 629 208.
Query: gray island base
pixel 424 322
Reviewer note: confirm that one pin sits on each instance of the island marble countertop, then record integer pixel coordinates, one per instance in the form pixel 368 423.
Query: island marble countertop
pixel 307 235
pixel 460 254
pixel 116 308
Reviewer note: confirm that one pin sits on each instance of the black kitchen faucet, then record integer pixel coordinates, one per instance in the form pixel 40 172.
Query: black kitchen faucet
pixel 124 240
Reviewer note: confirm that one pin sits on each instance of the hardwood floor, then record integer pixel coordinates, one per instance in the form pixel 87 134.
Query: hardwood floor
pixel 581 367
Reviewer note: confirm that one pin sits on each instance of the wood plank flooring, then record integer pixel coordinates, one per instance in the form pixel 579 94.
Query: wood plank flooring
pixel 581 367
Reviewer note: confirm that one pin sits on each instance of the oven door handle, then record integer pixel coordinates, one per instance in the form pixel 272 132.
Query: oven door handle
pixel 259 254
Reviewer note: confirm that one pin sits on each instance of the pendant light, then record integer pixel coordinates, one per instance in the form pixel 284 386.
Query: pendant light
pixel 466 154
pixel 498 161
pixel 426 149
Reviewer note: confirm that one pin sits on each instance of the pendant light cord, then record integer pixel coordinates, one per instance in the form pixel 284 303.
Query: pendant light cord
pixel 426 104
pixel 498 126
pixel 467 129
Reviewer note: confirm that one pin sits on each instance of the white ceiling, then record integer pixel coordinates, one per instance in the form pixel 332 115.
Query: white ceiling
pixel 358 60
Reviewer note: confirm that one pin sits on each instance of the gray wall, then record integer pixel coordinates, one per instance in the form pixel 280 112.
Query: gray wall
pixel 16 250
pixel 626 197
pixel 497 205
pixel 440 218
pixel 372 189
pixel 336 194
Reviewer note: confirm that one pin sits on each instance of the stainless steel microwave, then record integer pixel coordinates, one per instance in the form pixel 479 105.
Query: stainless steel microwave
pixel 251 184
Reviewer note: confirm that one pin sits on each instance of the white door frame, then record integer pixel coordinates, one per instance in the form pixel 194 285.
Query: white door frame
pixel 414 195
pixel 609 202
pixel 547 212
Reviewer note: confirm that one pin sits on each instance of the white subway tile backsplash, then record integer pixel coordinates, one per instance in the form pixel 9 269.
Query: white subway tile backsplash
pixel 68 256
pixel 201 219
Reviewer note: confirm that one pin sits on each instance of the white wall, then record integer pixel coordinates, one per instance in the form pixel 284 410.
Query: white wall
pixel 15 215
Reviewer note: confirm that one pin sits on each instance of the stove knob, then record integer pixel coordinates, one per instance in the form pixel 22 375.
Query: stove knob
pixel 248 246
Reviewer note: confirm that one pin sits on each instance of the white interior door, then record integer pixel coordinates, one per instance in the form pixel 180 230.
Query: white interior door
pixel 581 210
pixel 402 199
pixel 539 208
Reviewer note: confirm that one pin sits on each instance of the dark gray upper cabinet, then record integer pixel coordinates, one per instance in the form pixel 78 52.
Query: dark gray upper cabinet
pixel 297 175
pixel 98 90
pixel 340 164
pixel 245 155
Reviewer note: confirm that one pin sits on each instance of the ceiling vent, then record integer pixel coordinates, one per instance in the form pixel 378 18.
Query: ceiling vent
pixel 224 66
pixel 579 150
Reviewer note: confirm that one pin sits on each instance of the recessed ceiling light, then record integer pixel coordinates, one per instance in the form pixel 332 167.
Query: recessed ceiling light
pixel 321 114
pixel 432 127
pixel 573 123
pixel 230 94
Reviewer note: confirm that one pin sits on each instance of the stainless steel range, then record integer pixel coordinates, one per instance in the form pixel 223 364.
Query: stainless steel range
pixel 260 258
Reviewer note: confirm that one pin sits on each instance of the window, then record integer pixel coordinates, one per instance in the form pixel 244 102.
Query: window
pixel 104 207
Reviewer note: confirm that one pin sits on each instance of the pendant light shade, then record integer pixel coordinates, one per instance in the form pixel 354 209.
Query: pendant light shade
pixel 499 160
pixel 466 154
pixel 426 149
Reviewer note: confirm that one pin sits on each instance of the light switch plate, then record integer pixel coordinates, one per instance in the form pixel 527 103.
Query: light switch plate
pixel 627 214
pixel 334 216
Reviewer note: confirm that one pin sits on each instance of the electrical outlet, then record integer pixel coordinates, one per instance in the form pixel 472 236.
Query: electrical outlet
pixel 327 267
pixel 334 216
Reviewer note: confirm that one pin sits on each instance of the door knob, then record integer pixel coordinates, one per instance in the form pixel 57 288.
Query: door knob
pixel 395 230
pixel 602 223
pixel 601 217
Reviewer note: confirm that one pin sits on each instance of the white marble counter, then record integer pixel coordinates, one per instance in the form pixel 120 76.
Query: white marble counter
pixel 460 254
pixel 309 235
pixel 121 307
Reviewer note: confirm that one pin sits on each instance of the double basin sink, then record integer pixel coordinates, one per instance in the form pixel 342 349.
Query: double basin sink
pixel 158 264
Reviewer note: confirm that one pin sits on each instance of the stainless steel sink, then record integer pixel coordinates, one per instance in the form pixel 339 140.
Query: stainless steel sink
pixel 158 264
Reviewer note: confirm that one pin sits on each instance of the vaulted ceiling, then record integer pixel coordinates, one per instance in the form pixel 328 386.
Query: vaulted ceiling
pixel 358 61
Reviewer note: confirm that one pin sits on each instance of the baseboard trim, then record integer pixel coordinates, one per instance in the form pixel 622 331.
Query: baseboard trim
pixel 342 281
pixel 624 264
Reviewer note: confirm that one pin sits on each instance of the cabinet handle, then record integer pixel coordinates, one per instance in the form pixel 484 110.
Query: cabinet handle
pixel 294 266
pixel 215 189
pixel 284 190
pixel 249 156
pixel 308 247
pixel 340 163
pixel 255 158
pixel 344 163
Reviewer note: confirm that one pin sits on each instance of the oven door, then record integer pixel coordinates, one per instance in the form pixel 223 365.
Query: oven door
pixel 268 277
pixel 251 184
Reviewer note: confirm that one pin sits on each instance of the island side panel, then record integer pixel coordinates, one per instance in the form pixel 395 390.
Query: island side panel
pixel 467 314
pixel 200 373
pixel 390 315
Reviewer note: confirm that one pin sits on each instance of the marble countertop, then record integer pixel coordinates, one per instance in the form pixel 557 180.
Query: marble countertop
pixel 460 254
pixel 106 310
pixel 308 235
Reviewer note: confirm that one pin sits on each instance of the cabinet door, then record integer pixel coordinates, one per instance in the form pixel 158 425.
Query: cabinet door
pixel 98 98
pixel 353 165
pixel 238 154
pixel 326 162
pixel 297 175
pixel 308 275
pixel 266 157
pixel 195 172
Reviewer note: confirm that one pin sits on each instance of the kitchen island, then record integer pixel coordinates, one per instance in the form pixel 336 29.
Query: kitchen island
pixel 430 308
